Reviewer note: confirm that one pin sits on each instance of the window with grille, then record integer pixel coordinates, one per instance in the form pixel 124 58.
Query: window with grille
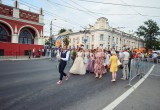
pixel 25 37
pixel 3 34
pixel 101 37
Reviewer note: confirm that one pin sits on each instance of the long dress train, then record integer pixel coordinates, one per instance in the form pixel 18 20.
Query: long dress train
pixel 78 65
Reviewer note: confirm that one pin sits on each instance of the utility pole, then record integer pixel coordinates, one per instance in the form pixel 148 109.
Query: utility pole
pixel 85 37
pixel 51 34
pixel 138 41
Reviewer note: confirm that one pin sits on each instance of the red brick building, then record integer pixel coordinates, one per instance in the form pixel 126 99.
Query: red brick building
pixel 20 30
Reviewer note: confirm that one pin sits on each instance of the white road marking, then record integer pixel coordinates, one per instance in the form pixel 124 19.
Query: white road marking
pixel 154 74
pixel 117 101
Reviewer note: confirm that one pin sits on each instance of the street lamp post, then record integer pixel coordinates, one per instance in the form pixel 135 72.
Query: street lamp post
pixel 85 41
pixel 85 37
pixel 138 41
pixel 51 35
pixel 53 41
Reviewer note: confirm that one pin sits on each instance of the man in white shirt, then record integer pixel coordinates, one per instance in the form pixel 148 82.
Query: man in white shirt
pixel 154 56
pixel 64 56
pixel 69 51
pixel 121 55
pixel 48 52
pixel 125 61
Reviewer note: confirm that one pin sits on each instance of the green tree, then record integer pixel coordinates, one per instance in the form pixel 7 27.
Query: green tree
pixel 66 41
pixel 47 42
pixel 70 30
pixel 62 30
pixel 149 31
pixel 157 45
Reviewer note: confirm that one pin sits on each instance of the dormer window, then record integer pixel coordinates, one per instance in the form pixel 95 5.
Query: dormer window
pixel 101 37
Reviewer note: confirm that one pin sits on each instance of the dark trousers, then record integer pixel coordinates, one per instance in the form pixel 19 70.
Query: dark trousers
pixel 33 55
pixel 62 66
pixel 129 64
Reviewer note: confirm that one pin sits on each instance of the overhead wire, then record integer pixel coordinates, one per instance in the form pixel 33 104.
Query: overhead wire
pixel 142 15
pixel 52 14
pixel 77 15
pixel 87 11
pixel 78 8
pixel 99 12
pixel 140 6
pixel 64 19
pixel 37 8
pixel 85 8
pixel 81 6
pixel 92 11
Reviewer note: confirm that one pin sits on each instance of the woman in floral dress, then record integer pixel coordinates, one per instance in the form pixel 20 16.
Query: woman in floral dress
pixel 99 68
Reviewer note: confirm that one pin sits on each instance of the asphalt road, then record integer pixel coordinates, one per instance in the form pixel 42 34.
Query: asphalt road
pixel 31 85
pixel 147 96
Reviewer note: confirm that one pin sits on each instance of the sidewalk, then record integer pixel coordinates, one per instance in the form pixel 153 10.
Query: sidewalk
pixel 12 58
pixel 146 96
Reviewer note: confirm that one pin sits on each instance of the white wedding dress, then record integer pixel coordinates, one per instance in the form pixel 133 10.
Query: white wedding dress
pixel 78 65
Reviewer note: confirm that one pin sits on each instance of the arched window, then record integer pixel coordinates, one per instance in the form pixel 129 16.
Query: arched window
pixel 25 37
pixel 3 34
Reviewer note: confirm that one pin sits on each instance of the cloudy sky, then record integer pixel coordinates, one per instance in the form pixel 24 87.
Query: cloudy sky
pixel 75 14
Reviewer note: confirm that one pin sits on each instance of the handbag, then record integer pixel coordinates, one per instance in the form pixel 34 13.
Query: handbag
pixel 121 66
pixel 119 63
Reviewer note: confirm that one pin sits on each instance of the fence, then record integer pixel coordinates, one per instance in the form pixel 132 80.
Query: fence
pixel 139 67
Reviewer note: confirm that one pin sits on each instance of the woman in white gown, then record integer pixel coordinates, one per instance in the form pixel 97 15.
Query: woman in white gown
pixel 78 65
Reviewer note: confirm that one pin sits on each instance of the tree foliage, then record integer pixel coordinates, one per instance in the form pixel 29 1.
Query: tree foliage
pixel 70 30
pixel 47 42
pixel 62 30
pixel 149 31
pixel 66 41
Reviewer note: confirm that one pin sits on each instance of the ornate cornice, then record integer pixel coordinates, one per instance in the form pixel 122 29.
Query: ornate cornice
pixel 20 20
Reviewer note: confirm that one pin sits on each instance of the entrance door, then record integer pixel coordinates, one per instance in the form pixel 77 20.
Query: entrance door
pixel 1 52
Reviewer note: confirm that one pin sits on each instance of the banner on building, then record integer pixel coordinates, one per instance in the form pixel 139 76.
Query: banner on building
pixel 58 41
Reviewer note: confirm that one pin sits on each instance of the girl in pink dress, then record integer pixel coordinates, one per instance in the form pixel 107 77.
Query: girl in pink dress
pixel 90 66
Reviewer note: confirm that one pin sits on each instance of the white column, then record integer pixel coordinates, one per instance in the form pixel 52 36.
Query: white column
pixel 36 40
pixel 40 41
pixel 16 12
pixel 14 38
pixel 41 19
pixel 106 42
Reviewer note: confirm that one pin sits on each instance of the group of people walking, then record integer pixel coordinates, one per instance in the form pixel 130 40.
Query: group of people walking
pixel 97 61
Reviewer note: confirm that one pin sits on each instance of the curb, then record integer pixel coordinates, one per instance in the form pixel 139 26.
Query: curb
pixel 23 59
